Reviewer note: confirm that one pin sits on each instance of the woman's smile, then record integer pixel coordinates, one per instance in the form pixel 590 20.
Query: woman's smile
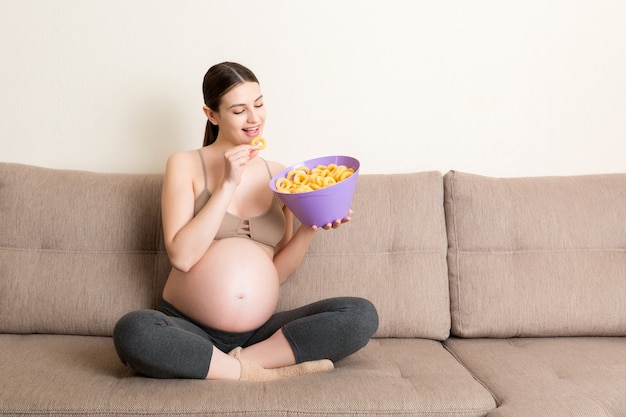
pixel 252 132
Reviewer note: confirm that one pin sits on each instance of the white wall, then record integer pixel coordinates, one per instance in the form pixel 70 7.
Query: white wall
pixel 500 88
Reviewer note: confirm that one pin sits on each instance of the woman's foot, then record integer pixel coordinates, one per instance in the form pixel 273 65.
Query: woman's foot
pixel 252 371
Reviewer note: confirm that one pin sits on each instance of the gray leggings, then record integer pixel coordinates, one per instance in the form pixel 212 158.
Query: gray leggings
pixel 166 344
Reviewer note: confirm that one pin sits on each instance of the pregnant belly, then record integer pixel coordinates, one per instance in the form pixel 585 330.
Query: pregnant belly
pixel 234 287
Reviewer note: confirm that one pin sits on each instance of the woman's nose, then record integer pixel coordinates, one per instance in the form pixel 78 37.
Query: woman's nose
pixel 253 116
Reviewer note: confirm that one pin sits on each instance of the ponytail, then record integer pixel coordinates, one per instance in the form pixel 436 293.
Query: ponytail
pixel 210 133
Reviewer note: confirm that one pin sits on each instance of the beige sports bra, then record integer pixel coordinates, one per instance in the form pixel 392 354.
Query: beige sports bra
pixel 267 228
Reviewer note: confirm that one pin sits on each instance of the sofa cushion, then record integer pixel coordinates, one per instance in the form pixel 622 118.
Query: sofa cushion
pixel 80 249
pixel 558 377
pixel 393 252
pixel 81 375
pixel 77 249
pixel 542 256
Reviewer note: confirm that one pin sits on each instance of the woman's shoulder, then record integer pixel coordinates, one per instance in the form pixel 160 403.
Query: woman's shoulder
pixel 182 162
pixel 186 158
pixel 275 166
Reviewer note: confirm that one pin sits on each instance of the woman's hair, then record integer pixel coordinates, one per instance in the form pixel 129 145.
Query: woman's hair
pixel 218 80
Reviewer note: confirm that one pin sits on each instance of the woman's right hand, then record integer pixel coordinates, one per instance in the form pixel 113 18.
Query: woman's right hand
pixel 236 159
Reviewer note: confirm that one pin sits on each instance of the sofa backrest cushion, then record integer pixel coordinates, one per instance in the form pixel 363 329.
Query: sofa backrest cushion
pixel 543 256
pixel 79 249
pixel 393 253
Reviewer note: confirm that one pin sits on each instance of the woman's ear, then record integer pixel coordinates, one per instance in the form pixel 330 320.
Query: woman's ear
pixel 211 115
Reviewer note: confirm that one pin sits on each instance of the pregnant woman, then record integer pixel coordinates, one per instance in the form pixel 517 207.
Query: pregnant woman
pixel 231 244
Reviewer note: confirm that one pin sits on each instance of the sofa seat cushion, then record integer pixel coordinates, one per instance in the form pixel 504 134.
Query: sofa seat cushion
pixel 72 375
pixel 549 376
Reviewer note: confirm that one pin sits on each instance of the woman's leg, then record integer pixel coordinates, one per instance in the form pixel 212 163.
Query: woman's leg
pixel 273 352
pixel 161 346
pixel 328 329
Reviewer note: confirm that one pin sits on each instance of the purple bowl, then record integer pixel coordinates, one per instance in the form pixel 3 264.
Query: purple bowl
pixel 327 204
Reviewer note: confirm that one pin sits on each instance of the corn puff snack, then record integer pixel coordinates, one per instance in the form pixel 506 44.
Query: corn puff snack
pixel 303 179
pixel 260 143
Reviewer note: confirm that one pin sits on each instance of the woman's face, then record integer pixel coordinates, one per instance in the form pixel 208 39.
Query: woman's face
pixel 241 115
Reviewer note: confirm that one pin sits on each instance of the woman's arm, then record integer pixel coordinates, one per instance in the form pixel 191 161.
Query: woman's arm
pixel 292 248
pixel 187 238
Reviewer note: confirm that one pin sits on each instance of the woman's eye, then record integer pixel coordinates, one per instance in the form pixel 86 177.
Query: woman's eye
pixel 239 112
pixel 258 105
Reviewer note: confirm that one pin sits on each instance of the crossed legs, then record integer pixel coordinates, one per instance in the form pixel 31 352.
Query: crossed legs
pixel 169 345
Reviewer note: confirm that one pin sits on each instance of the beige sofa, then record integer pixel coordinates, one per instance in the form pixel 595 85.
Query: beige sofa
pixel 497 297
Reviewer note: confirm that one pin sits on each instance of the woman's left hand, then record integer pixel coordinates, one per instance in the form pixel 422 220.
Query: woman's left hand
pixel 335 224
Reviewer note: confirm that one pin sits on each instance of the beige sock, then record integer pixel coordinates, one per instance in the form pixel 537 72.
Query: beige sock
pixel 252 371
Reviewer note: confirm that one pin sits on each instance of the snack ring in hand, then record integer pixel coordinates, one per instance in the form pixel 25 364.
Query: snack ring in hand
pixel 260 143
